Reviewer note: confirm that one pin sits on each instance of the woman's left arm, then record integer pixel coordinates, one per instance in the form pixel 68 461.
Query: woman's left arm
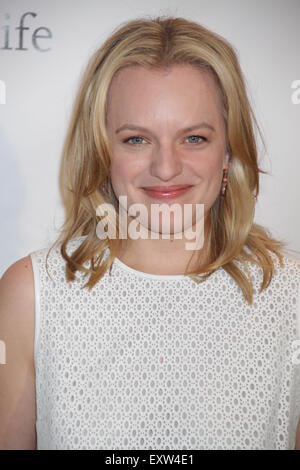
pixel 297 443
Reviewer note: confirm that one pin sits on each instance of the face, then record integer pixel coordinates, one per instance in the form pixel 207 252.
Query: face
pixel 164 153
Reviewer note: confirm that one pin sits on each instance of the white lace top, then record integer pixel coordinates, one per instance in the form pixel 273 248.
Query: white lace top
pixel 147 361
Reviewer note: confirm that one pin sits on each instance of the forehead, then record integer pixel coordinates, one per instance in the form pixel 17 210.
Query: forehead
pixel 155 93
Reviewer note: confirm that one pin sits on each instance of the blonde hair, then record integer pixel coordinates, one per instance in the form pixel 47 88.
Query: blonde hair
pixel 159 43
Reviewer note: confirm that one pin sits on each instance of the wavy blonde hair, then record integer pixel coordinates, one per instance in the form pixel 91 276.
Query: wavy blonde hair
pixel 159 43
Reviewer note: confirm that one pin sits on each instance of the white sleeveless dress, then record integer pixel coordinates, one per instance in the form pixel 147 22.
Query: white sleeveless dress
pixel 147 361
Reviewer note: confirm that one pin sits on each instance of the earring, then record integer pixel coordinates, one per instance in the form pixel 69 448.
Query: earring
pixel 103 186
pixel 224 181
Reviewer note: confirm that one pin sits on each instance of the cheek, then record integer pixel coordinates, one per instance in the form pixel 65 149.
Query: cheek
pixel 210 178
pixel 125 169
pixel 119 168
pixel 214 174
pixel 117 175
pixel 209 170
pixel 122 175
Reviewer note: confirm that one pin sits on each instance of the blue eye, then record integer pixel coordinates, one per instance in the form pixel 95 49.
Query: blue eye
pixel 139 137
pixel 133 137
pixel 199 136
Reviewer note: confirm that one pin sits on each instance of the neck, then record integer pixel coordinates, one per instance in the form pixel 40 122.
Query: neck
pixel 164 256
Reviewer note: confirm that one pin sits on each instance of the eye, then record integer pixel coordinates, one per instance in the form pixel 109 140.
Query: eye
pixel 197 136
pixel 139 137
pixel 131 138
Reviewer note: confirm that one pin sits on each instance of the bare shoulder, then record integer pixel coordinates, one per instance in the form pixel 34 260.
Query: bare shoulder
pixel 17 301
pixel 19 270
pixel 17 374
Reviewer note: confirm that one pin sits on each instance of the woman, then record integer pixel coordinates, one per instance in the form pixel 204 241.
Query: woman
pixel 135 341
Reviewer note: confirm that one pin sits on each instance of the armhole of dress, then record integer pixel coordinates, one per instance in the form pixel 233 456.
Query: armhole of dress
pixel 36 277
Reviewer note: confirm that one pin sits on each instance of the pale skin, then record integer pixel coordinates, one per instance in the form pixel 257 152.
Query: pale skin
pixel 164 103
pixel 164 154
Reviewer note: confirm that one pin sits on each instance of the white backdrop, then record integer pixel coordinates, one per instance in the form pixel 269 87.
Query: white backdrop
pixel 37 89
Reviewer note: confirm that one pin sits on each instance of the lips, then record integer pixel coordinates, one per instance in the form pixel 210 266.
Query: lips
pixel 159 192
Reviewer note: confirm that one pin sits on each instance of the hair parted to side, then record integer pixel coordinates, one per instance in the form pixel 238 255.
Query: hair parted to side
pixel 161 42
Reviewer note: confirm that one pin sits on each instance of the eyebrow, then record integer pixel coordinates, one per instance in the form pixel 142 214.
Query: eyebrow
pixel 133 127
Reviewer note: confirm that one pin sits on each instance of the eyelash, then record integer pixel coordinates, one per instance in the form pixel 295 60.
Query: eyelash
pixel 140 137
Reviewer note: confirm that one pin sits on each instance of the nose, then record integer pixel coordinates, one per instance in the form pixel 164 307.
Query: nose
pixel 166 163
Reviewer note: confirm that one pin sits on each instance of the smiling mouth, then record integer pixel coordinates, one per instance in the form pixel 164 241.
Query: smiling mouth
pixel 166 192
